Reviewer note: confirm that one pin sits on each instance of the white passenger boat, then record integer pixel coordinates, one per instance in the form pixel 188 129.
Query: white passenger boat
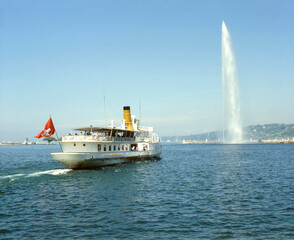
pixel 92 147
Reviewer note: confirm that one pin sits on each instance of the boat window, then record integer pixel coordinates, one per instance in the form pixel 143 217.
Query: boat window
pixel 119 134
pixel 114 148
pixel 109 148
pixel 123 147
pixel 84 144
pixel 104 148
pixel 75 144
pixel 99 147
pixel 118 147
pixel 133 147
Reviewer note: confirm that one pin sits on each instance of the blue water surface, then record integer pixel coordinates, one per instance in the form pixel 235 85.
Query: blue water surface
pixel 193 192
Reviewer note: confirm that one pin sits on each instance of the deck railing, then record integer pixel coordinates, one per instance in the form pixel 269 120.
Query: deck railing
pixel 95 138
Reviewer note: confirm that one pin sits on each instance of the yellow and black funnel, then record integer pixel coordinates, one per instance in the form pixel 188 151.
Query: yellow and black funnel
pixel 127 117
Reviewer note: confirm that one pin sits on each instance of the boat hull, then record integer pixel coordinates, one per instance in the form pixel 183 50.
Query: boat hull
pixel 96 160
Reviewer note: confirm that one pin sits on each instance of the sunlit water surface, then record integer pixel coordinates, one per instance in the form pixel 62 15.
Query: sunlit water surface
pixel 194 191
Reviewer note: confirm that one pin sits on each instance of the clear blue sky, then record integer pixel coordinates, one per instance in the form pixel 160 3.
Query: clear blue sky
pixel 56 57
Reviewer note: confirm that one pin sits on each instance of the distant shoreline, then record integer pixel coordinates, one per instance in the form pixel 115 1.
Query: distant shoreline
pixel 269 133
pixel 257 142
pixel 184 143
pixel 30 144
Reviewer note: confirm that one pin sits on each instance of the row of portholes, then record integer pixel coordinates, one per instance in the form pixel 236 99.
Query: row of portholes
pixel 83 144
pixel 111 148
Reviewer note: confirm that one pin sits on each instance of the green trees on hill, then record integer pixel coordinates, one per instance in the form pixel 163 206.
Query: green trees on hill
pixel 253 132
pixel 49 139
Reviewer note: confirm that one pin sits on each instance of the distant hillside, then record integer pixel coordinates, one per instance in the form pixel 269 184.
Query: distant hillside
pixel 253 132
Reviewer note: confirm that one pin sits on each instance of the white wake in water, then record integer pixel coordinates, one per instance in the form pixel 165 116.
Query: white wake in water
pixel 37 174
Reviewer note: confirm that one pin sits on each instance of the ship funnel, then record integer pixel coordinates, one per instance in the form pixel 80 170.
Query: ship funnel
pixel 127 118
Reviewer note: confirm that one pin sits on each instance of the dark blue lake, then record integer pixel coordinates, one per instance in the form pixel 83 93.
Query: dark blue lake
pixel 194 191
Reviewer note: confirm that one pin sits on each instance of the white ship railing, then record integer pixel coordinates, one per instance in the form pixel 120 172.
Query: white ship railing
pixel 149 129
pixel 93 138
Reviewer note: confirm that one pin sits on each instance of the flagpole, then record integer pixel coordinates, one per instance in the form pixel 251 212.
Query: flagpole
pixel 57 136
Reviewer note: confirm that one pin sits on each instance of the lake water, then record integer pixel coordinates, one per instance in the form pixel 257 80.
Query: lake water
pixel 194 191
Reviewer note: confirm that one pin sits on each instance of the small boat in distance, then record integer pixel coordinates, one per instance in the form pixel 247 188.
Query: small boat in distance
pixel 94 147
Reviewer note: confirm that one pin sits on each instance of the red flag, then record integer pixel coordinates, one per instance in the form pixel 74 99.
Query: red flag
pixel 48 130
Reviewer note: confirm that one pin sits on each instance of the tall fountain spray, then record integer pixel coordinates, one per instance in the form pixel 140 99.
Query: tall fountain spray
pixel 232 127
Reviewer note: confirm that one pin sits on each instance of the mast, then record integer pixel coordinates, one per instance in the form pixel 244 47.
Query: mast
pixel 140 111
pixel 104 107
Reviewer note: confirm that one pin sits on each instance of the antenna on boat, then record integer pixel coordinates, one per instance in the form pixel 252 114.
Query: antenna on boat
pixel 140 110
pixel 104 106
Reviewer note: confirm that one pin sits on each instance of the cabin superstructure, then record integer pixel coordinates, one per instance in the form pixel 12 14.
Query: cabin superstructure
pixel 108 139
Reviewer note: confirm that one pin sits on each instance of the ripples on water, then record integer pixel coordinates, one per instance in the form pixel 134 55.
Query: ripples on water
pixel 195 191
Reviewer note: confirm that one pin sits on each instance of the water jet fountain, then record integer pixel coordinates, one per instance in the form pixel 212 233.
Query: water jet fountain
pixel 232 127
